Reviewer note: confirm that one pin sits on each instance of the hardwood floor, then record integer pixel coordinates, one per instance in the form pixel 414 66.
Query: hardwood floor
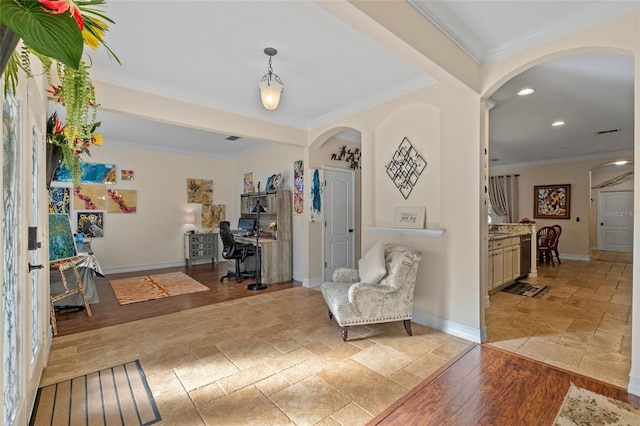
pixel 109 312
pixel 488 386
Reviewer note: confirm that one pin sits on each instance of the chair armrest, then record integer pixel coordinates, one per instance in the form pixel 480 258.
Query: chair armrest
pixel 368 299
pixel 345 275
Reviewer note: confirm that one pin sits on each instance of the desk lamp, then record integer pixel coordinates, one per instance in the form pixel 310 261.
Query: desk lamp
pixel 258 285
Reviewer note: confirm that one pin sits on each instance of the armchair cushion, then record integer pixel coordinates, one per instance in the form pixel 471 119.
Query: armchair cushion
pixel 391 299
pixel 371 267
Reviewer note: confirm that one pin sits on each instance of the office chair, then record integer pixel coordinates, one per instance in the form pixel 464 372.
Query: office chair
pixel 231 250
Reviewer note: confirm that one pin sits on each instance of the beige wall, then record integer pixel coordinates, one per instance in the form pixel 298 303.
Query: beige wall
pixel 575 242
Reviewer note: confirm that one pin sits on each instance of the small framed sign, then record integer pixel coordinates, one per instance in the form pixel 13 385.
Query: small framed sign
pixel 409 217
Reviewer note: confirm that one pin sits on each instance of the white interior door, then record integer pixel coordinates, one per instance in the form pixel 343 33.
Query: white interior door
pixel 339 235
pixel 615 220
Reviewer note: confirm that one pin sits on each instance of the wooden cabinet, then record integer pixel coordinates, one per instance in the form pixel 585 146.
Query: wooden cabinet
pixel 200 246
pixel 504 262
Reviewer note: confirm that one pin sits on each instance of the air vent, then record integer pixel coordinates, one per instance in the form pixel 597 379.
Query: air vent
pixel 604 132
pixel 233 138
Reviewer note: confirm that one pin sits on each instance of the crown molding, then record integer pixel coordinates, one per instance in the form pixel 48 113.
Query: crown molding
pixel 440 16
pixel 603 156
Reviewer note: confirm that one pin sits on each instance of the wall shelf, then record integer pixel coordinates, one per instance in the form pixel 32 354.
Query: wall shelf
pixel 434 232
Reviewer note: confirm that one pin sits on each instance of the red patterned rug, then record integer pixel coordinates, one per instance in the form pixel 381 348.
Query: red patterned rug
pixel 151 287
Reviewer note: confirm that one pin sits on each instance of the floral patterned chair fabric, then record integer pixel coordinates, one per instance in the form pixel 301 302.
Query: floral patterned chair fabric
pixel 352 302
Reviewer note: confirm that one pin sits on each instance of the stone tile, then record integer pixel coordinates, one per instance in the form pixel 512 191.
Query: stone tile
pixel 351 415
pixel 172 400
pixel 309 401
pixel 366 388
pixel 204 371
pixel 425 365
pixel 272 384
pixel 383 360
pixel 303 370
pixel 206 394
pixel 247 407
pixel 290 359
pixel 247 351
pixel 245 378
pixel 339 353
pixel 406 379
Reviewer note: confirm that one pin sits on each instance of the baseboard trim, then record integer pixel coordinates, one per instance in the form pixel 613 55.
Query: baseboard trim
pixel 149 266
pixel 569 256
pixel 634 385
pixel 477 335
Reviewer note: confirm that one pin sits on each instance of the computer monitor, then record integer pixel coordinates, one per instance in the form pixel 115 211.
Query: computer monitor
pixel 247 223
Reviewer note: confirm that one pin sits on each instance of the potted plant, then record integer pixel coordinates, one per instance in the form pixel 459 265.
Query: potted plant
pixel 55 31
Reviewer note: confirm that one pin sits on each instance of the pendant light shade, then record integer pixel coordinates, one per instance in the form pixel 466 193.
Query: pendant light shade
pixel 271 86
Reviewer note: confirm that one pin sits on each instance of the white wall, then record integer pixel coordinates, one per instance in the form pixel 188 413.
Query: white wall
pixel 153 237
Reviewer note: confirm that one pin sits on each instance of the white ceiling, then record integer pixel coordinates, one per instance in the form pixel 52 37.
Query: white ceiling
pixel 211 53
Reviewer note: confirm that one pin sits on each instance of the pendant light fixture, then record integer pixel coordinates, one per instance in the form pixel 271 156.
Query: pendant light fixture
pixel 271 86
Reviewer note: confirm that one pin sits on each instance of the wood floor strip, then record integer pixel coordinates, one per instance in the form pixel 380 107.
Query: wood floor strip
pixel 489 386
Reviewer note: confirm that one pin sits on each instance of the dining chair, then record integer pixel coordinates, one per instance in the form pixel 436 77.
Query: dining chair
pixel 546 237
pixel 558 230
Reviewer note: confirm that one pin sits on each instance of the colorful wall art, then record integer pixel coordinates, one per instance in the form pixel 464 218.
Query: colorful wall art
pixel 212 215
pixel 199 191
pixel 90 197
pixel 315 212
pixel 298 186
pixel 91 224
pixel 91 173
pixel 61 243
pixel 126 174
pixel 122 201
pixel 60 200
pixel 248 182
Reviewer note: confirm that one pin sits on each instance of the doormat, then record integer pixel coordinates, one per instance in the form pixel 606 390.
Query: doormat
pixel 116 395
pixel 583 407
pixel 151 287
pixel 528 290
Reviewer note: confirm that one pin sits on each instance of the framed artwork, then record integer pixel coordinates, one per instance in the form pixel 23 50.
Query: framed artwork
pixel 212 215
pixel 90 197
pixel 126 174
pixel 248 182
pixel 61 242
pixel 552 201
pixel 122 201
pixel 409 217
pixel 91 173
pixel 60 200
pixel 91 224
pixel 298 186
pixel 405 167
pixel 199 191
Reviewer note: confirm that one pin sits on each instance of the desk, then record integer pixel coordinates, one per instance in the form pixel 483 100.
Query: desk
pixel 87 266
pixel 276 259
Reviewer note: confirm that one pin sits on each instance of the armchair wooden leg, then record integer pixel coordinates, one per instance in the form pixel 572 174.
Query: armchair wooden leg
pixel 345 331
pixel 407 326
pixel 330 314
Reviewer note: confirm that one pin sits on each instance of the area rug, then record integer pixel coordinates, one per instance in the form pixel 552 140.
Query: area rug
pixel 583 407
pixel 151 287
pixel 526 289
pixel 117 395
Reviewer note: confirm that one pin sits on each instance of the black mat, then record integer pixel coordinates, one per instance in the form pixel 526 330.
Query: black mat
pixel 526 289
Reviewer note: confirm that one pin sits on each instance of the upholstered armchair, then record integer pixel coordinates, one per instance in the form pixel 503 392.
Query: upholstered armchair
pixel 380 290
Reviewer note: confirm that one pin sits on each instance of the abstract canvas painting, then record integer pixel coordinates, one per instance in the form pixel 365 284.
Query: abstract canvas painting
pixel 60 200
pixel 90 197
pixel 199 191
pixel 248 182
pixel 298 186
pixel 91 224
pixel 91 173
pixel 122 201
pixel 61 243
pixel 212 215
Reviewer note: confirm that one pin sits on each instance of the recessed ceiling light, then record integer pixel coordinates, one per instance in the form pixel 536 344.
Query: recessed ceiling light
pixel 620 163
pixel 526 91
pixel 558 123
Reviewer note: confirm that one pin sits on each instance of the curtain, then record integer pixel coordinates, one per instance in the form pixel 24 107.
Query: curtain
pixel 503 194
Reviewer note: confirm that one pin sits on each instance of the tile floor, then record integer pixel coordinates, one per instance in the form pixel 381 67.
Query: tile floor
pixel 583 324
pixel 273 359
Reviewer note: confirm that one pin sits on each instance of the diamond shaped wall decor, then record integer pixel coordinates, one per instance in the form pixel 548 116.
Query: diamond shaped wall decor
pixel 405 167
